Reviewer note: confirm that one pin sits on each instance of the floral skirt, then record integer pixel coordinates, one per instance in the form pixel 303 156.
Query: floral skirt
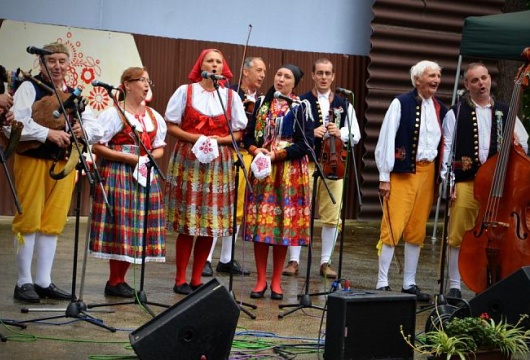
pixel 278 211
pixel 199 197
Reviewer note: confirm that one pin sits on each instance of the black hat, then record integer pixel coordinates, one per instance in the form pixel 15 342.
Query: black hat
pixel 298 74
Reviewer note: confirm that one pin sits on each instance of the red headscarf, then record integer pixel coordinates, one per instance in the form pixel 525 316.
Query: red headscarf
pixel 195 73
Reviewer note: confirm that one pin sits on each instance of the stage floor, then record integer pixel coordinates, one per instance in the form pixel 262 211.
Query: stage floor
pixel 265 336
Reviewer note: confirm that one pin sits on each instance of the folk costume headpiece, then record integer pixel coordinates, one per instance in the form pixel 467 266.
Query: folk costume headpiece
pixel 195 73
pixel 298 74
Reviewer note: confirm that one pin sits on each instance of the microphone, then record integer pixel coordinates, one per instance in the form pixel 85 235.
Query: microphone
pixel 213 76
pixel 461 92
pixel 343 91
pixel 279 95
pixel 36 51
pixel 67 103
pixel 103 85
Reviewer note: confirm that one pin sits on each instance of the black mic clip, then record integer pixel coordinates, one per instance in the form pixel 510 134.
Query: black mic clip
pixel 37 51
pixel 68 103
pixel 109 87
pixel 342 91
pixel 212 76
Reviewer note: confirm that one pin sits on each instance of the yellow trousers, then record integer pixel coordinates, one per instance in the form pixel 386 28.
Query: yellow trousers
pixel 242 185
pixel 45 202
pixel 464 211
pixel 328 212
pixel 408 206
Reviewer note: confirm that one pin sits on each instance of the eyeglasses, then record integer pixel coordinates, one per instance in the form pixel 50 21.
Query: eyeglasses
pixel 323 73
pixel 144 80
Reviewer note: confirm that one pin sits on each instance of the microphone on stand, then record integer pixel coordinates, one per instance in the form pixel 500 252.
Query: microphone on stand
pixel 279 95
pixel 68 103
pixel 109 87
pixel 343 91
pixel 212 76
pixel 37 51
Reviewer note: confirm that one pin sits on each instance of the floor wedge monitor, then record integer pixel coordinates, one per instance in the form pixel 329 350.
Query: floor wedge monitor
pixel 365 324
pixel 203 323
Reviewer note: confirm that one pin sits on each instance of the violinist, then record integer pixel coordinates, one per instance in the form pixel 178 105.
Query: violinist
pixel 478 111
pixel 45 201
pixel 324 105
pixel 406 154
pixel 254 70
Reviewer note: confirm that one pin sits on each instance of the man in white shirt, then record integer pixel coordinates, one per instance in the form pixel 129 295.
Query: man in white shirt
pixel 45 201
pixel 407 157
pixel 478 113
pixel 334 117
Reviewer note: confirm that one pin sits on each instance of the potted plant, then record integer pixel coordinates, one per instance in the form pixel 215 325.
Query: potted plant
pixel 473 338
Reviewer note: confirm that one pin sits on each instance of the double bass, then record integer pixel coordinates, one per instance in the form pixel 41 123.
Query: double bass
pixel 499 243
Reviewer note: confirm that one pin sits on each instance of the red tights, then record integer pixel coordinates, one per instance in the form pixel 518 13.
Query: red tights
pixel 184 245
pixel 261 254
pixel 118 269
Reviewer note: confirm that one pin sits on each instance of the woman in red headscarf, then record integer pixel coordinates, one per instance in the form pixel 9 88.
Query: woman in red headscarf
pixel 199 195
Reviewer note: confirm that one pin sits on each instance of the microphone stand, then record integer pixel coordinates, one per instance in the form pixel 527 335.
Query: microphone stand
pixel 238 164
pixel 305 299
pixel 140 296
pixel 77 308
pixel 351 155
pixel 3 160
pixel 440 301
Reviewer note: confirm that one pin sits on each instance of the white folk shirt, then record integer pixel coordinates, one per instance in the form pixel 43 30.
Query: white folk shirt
pixel 484 118
pixel 430 135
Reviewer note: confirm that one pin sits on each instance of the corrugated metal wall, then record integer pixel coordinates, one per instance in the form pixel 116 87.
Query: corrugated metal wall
pixel 405 32
pixel 170 60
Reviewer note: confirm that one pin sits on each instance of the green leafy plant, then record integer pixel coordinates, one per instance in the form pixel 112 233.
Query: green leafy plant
pixel 464 337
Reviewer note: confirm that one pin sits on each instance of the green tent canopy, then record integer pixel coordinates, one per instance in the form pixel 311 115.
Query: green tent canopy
pixel 502 36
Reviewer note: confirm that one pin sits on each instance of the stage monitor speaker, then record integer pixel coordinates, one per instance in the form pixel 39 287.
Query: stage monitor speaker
pixel 366 325
pixel 507 299
pixel 203 323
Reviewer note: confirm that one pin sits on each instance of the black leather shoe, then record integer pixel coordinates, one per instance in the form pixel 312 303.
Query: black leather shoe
pixel 207 271
pixel 276 296
pixel 120 290
pixel 237 269
pixel 415 290
pixel 195 287
pixel 52 292
pixel 258 294
pixel 384 288
pixel 183 289
pixel 454 293
pixel 26 293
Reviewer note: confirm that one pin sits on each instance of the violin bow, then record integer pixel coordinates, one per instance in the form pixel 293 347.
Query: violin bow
pixel 389 224
pixel 244 56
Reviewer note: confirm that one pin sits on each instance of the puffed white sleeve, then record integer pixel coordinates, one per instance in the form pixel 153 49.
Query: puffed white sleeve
pixel 354 128
pixel 385 148
pixel 239 117
pixel 160 137
pixel 176 105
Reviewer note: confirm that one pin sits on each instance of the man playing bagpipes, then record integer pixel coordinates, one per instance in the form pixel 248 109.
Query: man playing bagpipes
pixel 45 141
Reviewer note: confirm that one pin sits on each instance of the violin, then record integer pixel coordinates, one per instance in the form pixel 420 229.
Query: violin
pixel 333 155
pixel 248 105
pixel 499 245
